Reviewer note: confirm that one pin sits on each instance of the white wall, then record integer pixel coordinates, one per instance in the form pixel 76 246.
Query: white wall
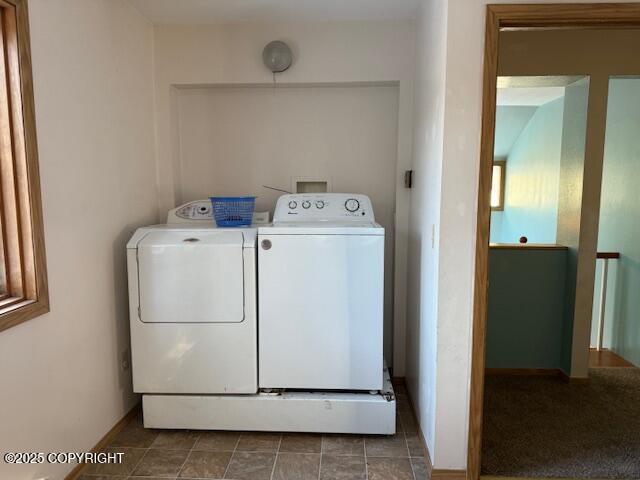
pixel 62 387
pixel 422 318
pixel 442 234
pixel 234 140
pixel 325 53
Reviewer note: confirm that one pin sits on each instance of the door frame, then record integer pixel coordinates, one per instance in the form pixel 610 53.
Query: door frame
pixel 575 15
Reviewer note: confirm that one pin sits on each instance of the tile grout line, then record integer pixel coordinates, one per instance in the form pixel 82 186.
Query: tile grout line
pixel 146 450
pixel 406 443
pixel 415 420
pixel 199 434
pixel 366 466
pixel 413 472
pixel 235 447
pixel 138 462
pixel 288 453
pixel 275 460
pixel 320 464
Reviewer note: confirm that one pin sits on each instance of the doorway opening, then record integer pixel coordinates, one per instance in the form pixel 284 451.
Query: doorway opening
pixel 515 47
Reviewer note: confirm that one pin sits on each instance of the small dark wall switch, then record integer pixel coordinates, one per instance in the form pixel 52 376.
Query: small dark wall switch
pixel 408 178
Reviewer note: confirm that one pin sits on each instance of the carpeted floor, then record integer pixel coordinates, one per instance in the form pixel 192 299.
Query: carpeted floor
pixel 546 427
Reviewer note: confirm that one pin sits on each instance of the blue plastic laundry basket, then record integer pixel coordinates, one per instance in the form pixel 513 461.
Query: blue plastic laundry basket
pixel 233 211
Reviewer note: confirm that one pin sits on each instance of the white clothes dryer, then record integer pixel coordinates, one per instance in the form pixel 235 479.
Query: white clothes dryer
pixel 192 296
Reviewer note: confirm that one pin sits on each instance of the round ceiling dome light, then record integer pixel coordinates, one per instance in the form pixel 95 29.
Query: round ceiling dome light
pixel 277 56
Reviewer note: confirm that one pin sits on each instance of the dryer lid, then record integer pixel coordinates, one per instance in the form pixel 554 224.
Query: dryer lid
pixel 249 234
pixel 192 276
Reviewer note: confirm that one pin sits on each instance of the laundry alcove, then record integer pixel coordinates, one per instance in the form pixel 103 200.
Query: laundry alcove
pixel 233 139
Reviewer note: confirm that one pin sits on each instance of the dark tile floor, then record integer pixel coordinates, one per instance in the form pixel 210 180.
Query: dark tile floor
pixel 170 454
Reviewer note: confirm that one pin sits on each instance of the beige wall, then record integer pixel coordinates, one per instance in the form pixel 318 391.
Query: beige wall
pixel 62 386
pixel 234 140
pixel 325 53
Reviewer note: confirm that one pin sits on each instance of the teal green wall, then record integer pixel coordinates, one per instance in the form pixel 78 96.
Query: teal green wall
pixel 533 172
pixel 620 220
pixel 526 308
pixel 510 121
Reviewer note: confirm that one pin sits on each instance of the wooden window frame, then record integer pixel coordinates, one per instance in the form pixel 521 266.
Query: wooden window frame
pixel 503 176
pixel 23 281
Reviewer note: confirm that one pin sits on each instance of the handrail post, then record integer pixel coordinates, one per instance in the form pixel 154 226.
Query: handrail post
pixel 606 256
pixel 603 300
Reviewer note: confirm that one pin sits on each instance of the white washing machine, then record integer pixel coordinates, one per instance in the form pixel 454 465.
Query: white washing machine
pixel 192 295
pixel 321 291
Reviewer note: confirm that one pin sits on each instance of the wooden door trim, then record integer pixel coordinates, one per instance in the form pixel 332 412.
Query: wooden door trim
pixel 575 15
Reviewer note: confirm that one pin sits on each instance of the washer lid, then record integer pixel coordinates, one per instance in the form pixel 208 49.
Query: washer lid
pixel 191 276
pixel 322 228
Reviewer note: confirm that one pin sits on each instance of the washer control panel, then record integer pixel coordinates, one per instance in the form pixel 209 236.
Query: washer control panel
pixel 318 207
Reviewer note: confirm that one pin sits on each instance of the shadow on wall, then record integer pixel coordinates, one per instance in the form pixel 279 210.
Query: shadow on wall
pixel 121 314
pixel 414 329
pixel 626 331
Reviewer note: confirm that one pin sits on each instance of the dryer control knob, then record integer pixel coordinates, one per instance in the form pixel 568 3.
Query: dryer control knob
pixel 320 204
pixel 306 204
pixel 293 204
pixel 352 205
pixel 265 244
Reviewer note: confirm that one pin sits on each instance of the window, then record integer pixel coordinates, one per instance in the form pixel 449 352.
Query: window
pixel 497 184
pixel 23 279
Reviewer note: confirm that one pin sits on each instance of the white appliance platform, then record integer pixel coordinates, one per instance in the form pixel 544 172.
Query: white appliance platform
pixel 321 412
